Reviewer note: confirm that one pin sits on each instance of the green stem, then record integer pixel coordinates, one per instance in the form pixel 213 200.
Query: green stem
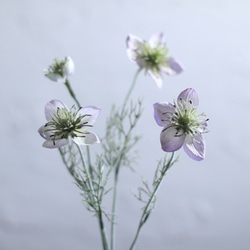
pixel 117 167
pixel 145 211
pixel 112 244
pixel 67 84
pixel 89 175
pixel 100 219
pixel 130 90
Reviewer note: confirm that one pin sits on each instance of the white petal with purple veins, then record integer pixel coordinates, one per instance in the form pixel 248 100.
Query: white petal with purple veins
pixel 194 146
pixel 55 143
pixel 163 111
pixel 171 139
pixel 51 108
pixel 173 67
pixel 91 112
pixel 189 95
pixel 86 138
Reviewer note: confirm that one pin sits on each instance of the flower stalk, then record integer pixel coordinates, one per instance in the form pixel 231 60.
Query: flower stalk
pixel 119 160
pixel 67 84
pixel 147 210
pixel 95 200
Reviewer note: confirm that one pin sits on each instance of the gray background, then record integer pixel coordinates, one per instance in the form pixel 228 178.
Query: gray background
pixel 201 205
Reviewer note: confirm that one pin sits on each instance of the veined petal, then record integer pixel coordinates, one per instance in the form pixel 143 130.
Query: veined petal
pixel 42 132
pixel 189 95
pixel 172 67
pixel 171 138
pixel 156 39
pixel 163 111
pixel 55 143
pixel 91 112
pixel 86 138
pixel 53 77
pixel 51 108
pixel 194 146
pixel 133 42
pixel 156 77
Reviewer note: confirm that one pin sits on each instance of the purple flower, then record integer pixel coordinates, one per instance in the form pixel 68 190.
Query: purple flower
pixel 182 125
pixel 152 56
pixel 64 123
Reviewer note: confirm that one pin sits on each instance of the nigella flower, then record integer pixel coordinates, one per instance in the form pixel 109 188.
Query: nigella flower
pixel 60 69
pixel 183 126
pixel 152 56
pixel 64 123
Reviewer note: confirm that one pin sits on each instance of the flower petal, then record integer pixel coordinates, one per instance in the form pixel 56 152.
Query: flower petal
pixel 133 42
pixel 91 112
pixel 163 111
pixel 42 132
pixel 189 95
pixel 51 108
pixel 134 45
pixel 172 67
pixel 55 143
pixel 53 77
pixel 156 39
pixel 46 132
pixel 88 138
pixel 69 67
pixel 171 139
pixel 156 77
pixel 195 146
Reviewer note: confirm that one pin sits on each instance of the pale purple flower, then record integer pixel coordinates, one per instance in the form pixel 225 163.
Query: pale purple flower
pixel 152 56
pixel 60 69
pixel 63 123
pixel 182 125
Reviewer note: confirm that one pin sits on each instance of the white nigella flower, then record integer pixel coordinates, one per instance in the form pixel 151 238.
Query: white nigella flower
pixel 152 56
pixel 183 126
pixel 60 69
pixel 64 123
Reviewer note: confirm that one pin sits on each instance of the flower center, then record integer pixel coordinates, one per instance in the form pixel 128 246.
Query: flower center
pixel 57 67
pixel 154 57
pixel 187 119
pixel 66 123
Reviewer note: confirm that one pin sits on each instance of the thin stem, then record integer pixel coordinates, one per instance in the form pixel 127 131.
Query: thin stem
pixel 112 244
pixel 67 84
pixel 117 167
pixel 89 163
pixel 103 233
pixel 130 90
pixel 145 211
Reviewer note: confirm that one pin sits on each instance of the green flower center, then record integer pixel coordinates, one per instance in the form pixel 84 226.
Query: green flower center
pixel 154 57
pixel 66 123
pixel 57 67
pixel 187 119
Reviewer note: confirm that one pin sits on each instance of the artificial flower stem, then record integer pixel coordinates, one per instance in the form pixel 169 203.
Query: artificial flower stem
pixel 130 90
pixel 101 224
pixel 67 84
pixel 117 166
pixel 145 211
pixel 112 247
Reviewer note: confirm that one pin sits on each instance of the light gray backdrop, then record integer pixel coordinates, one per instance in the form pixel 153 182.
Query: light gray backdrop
pixel 201 205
